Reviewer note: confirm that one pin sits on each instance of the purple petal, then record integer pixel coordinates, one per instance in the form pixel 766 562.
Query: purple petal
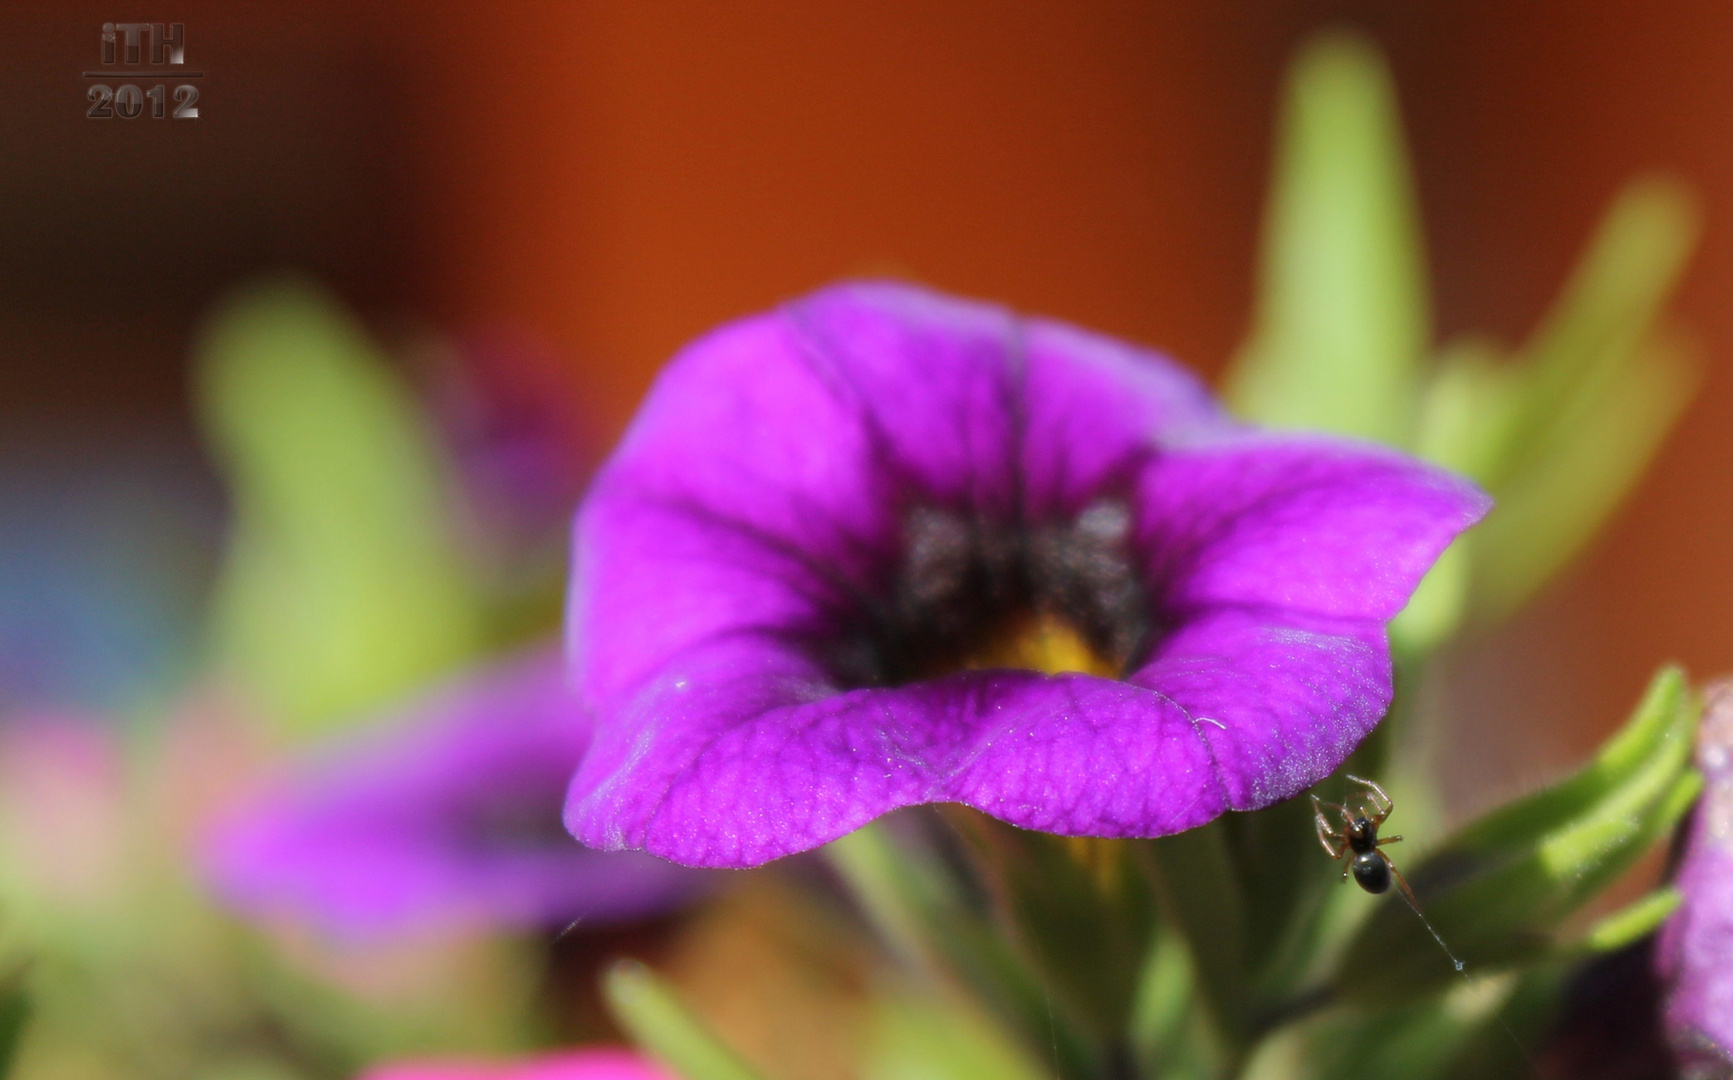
pixel 782 495
pixel 1298 523
pixel 926 379
pixel 448 816
pixel 1091 405
pixel 1695 951
pixel 741 757
pixel 1280 700
pixel 807 496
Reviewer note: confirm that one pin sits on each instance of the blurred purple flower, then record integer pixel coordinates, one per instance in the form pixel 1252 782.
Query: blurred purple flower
pixel 591 1064
pixel 1695 950
pixel 799 576
pixel 449 816
pixel 520 443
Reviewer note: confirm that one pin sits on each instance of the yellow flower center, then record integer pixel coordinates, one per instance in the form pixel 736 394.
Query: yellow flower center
pixel 1043 643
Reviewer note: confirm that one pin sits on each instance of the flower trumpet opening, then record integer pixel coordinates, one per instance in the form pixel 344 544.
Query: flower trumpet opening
pixel 969 593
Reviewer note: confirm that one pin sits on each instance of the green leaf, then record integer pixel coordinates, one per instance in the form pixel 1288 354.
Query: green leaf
pixel 897 890
pixel 1508 1034
pixel 1499 891
pixel 1200 894
pixel 1560 432
pixel 936 925
pixel 937 1037
pixel 1342 319
pixel 1577 470
pixel 14 1012
pixel 1660 728
pixel 1631 923
pixel 1605 311
pixel 1172 1033
pixel 1472 403
pixel 1297 918
pixel 1480 1027
pixel 1083 910
pixel 1438 605
pixel 341 587
pixel 647 1008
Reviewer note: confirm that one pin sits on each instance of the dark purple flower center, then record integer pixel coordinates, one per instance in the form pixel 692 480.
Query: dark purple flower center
pixel 968 591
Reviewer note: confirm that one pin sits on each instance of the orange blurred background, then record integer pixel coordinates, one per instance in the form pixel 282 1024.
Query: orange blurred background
pixel 614 178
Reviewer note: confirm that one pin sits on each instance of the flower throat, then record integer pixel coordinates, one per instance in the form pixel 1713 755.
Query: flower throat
pixel 970 593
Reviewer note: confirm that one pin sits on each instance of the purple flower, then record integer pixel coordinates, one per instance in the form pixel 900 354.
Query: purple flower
pixel 519 445
pixel 799 576
pixel 1695 951
pixel 448 817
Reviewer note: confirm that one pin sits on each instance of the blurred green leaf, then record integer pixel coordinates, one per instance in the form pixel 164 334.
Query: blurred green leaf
pixel 1342 321
pixel 896 890
pixel 1200 894
pixel 1296 917
pixel 650 1012
pixel 1083 911
pixel 1659 729
pixel 935 1037
pixel 14 1012
pixel 342 587
pixel 1470 399
pixel 1416 1041
pixel 1477 1027
pixel 1604 312
pixel 1473 401
pixel 1631 923
pixel 1438 605
pixel 1172 1033
pixel 1560 432
pixel 935 928
pixel 1078 913
pixel 1500 890
pixel 1577 469
pixel 1505 1037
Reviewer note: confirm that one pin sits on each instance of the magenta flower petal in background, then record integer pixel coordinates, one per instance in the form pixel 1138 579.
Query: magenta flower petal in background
pixel 593 1064
pixel 63 810
pixel 450 815
pixel 793 576
pixel 1695 951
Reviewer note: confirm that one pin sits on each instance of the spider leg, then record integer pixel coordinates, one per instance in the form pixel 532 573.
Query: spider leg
pixel 1326 835
pixel 1388 840
pixel 1382 804
pixel 1372 787
pixel 1400 880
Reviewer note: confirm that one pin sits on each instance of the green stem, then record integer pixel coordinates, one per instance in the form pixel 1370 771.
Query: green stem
pixel 657 1020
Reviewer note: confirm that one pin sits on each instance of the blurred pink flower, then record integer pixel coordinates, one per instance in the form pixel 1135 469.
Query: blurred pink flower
pixel 62 798
pixel 447 817
pixel 599 1064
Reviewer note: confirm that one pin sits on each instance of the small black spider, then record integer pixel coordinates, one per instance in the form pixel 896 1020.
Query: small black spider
pixel 1357 838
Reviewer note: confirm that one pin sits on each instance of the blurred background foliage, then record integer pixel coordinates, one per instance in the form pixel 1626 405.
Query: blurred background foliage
pixel 351 574
pixel 342 587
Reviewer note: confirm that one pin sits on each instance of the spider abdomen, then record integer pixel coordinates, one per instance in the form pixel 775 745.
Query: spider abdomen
pixel 1371 871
